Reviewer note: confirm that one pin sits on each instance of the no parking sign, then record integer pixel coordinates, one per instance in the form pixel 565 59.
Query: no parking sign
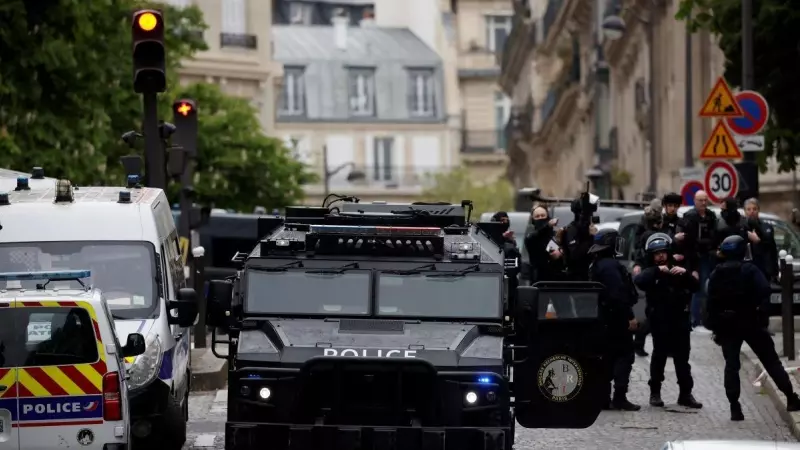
pixel 688 190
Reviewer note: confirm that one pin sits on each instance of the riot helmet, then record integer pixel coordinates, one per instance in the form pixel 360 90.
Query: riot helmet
pixel 733 248
pixel 607 241
pixel 658 242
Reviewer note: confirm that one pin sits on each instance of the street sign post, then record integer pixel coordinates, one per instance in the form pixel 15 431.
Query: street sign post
pixel 756 113
pixel 689 189
pixel 721 181
pixel 749 142
pixel 721 144
pixel 692 173
pixel 721 102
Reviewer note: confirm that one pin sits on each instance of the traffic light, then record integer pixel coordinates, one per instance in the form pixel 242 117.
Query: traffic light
pixel 149 67
pixel 184 113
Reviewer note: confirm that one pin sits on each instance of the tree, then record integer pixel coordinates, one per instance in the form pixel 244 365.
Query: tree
pixel 776 62
pixel 459 184
pixel 66 97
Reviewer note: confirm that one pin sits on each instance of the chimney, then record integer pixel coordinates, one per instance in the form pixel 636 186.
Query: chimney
pixel 367 19
pixel 340 22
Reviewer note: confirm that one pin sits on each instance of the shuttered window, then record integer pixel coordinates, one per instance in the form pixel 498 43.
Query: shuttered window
pixel 234 16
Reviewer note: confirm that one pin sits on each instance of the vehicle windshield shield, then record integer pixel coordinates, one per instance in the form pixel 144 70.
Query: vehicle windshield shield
pixel 306 292
pixel 123 271
pixel 472 295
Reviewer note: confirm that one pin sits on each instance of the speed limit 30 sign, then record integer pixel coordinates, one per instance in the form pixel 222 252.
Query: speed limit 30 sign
pixel 722 181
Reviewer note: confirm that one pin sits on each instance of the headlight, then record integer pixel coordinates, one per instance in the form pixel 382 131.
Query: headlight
pixel 147 365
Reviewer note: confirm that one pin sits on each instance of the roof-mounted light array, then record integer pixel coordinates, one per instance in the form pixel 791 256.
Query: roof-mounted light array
pixel 376 240
pixel 375 230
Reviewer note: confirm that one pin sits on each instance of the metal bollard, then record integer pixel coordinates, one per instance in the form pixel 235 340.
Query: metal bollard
pixel 198 277
pixel 787 304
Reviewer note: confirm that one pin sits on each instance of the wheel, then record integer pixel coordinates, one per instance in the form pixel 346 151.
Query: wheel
pixel 174 424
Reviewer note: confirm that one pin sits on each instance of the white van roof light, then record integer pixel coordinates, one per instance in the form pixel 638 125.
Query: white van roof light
pixel 64 192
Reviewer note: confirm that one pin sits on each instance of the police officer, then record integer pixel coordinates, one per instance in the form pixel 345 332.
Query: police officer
pixel 737 295
pixel 576 239
pixel 672 223
pixel 732 221
pixel 616 300
pixel 669 288
pixel 700 242
pixel 762 240
pixel 652 221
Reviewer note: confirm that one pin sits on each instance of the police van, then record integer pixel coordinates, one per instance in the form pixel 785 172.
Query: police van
pixel 62 375
pixel 128 239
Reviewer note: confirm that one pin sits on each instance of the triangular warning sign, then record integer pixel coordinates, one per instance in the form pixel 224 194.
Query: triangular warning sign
pixel 721 144
pixel 721 102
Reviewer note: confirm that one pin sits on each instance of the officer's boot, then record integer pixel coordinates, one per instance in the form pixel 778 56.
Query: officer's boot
pixel 687 400
pixel 736 412
pixel 792 402
pixel 655 395
pixel 621 402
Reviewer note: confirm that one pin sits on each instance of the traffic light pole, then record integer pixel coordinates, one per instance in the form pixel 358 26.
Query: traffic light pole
pixel 155 161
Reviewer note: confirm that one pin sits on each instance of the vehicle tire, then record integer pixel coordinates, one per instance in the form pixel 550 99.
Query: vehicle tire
pixel 174 425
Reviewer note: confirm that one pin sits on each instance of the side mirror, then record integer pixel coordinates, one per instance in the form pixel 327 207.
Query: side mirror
pixel 134 346
pixel 220 293
pixel 186 306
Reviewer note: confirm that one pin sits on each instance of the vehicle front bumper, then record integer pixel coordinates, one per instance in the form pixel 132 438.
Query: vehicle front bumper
pixel 248 435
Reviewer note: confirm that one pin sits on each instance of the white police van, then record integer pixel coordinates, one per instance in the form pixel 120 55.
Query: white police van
pixel 62 375
pixel 128 239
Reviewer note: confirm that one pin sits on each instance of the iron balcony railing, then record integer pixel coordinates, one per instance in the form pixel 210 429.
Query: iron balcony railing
pixel 553 8
pixel 249 41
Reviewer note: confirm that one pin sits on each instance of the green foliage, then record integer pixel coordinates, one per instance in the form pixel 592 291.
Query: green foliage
pixel 66 97
pixel 776 62
pixel 460 184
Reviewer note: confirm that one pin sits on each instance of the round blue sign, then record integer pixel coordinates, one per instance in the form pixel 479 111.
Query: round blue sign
pixel 755 110
pixel 688 191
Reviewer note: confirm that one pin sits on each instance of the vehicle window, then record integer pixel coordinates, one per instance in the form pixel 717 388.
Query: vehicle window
pixel 46 337
pixel 468 296
pixel 629 234
pixel 346 293
pixel 786 237
pixel 124 271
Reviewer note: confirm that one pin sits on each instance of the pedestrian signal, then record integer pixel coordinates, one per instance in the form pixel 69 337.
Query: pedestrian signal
pixel 721 145
pixel 149 65
pixel 721 102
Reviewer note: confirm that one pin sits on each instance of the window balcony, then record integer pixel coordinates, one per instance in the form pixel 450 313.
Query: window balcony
pixel 483 141
pixel 238 40
pixel 556 17
pixel 563 93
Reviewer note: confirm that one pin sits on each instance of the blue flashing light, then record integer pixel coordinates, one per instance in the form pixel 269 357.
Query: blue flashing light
pixel 484 380
pixel 54 275
pixel 133 180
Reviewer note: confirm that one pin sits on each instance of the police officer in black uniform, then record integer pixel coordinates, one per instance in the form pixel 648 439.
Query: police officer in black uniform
pixel 576 240
pixel 616 302
pixel 738 293
pixel 652 221
pixel 671 223
pixel 732 224
pixel 669 288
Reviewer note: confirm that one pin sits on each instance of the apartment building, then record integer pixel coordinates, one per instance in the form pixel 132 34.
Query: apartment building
pixel 364 106
pixel 239 55
pixel 620 122
pixel 468 35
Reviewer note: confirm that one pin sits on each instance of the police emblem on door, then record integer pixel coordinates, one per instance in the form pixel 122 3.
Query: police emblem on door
pixel 85 437
pixel 560 378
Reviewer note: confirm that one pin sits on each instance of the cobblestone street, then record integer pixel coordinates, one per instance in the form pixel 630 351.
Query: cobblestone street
pixel 649 428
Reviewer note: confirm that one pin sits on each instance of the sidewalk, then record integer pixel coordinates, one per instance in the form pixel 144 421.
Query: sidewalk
pixel 759 379
pixel 209 373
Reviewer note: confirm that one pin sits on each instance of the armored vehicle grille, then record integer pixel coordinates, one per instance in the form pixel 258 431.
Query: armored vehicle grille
pixel 371 326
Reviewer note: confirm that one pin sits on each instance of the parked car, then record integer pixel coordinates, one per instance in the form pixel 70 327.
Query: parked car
pixel 730 445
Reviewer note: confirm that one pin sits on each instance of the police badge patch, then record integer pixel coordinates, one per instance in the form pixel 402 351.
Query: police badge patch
pixel 560 378
pixel 85 437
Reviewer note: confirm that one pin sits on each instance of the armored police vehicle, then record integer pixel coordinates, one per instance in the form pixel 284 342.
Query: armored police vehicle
pixel 382 326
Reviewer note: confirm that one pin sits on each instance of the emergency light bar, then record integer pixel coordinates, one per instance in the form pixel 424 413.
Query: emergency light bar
pixel 61 275
pixel 375 230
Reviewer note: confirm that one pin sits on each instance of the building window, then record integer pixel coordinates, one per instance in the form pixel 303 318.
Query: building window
pixel 362 92
pixel 502 112
pixel 497 30
pixel 179 3
pixel 422 93
pixel 234 17
pixel 300 13
pixel 293 96
pixel 382 153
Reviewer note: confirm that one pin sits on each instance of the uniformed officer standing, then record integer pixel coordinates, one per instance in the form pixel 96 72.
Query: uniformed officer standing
pixel 737 296
pixel 616 303
pixel 762 240
pixel 576 239
pixel 669 289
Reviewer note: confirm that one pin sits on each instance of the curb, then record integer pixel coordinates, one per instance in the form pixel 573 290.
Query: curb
pixel 210 380
pixel 753 369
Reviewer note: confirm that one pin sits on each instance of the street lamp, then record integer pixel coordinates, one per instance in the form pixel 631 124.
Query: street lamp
pixel 613 27
pixel 354 175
